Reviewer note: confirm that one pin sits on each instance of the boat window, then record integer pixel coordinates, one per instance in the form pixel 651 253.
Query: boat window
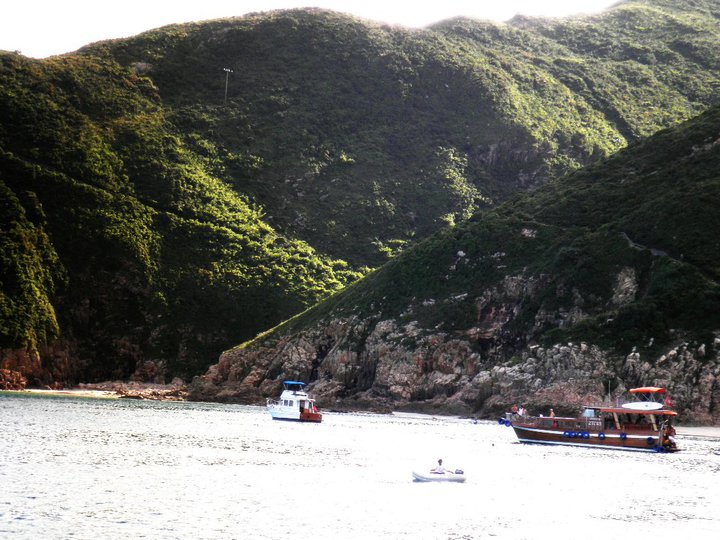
pixel 290 402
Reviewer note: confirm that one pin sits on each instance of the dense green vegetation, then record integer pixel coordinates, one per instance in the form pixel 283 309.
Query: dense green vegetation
pixel 641 65
pixel 362 138
pixel 28 271
pixel 651 211
pixel 119 238
pixel 145 216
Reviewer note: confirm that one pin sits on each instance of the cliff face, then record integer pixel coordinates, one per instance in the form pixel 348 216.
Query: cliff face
pixel 47 366
pixel 385 365
pixel 605 280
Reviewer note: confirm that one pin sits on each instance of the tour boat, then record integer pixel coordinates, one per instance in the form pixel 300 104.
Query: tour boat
pixel 294 404
pixel 644 425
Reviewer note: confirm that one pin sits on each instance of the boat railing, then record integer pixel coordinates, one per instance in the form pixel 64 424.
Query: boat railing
pixel 560 422
pixel 592 425
pixel 638 428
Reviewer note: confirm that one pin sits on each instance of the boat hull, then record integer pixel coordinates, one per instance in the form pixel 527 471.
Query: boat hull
pixel 614 440
pixel 293 415
pixel 434 477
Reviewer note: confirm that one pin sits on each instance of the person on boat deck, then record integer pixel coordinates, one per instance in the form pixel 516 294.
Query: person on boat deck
pixel 522 411
pixel 439 469
pixel 552 413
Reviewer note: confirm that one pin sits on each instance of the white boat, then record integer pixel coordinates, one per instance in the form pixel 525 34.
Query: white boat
pixel 294 404
pixel 447 476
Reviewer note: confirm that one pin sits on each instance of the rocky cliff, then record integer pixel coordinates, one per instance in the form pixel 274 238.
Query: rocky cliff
pixel 44 367
pixel 602 281
pixel 384 365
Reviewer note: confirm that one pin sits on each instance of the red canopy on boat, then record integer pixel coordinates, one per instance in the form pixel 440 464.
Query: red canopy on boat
pixel 648 390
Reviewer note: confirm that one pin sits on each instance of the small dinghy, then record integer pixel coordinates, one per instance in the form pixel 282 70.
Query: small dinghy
pixel 448 476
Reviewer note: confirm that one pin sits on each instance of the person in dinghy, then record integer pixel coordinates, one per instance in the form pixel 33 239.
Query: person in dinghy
pixel 442 470
pixel 439 469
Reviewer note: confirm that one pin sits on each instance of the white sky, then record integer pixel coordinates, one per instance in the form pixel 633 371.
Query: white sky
pixel 40 28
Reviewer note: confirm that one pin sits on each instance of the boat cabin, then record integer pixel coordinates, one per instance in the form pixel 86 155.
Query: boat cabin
pixel 602 419
pixel 624 419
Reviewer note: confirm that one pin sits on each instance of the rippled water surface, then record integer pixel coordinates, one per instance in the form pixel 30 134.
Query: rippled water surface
pixel 88 468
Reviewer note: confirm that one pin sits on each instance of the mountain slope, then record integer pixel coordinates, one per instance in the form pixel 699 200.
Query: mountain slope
pixel 642 65
pixel 361 138
pixel 119 240
pixel 621 260
pixel 151 223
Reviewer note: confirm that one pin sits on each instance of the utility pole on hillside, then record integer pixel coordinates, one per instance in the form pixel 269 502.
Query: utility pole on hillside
pixel 227 71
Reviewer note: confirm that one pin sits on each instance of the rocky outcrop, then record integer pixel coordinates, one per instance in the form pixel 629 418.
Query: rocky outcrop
pixel 384 365
pixel 49 366
pixel 16 365
pixel 175 391
pixel 57 365
pixel 12 380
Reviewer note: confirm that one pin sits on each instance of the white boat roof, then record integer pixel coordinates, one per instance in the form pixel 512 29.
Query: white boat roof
pixel 295 394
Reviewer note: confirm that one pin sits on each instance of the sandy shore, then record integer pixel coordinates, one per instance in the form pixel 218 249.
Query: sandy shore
pixel 114 390
pixel 709 432
pixel 97 394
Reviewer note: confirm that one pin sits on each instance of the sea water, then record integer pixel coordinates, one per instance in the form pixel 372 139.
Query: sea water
pixel 91 469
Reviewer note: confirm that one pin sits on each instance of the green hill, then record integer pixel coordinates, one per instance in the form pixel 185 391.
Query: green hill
pixel 652 208
pixel 361 138
pixel 620 261
pixel 151 222
pixel 119 239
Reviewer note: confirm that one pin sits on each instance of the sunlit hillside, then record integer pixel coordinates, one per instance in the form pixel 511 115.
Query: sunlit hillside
pixel 151 220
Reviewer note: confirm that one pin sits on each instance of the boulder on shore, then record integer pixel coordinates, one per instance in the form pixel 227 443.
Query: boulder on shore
pixel 12 380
